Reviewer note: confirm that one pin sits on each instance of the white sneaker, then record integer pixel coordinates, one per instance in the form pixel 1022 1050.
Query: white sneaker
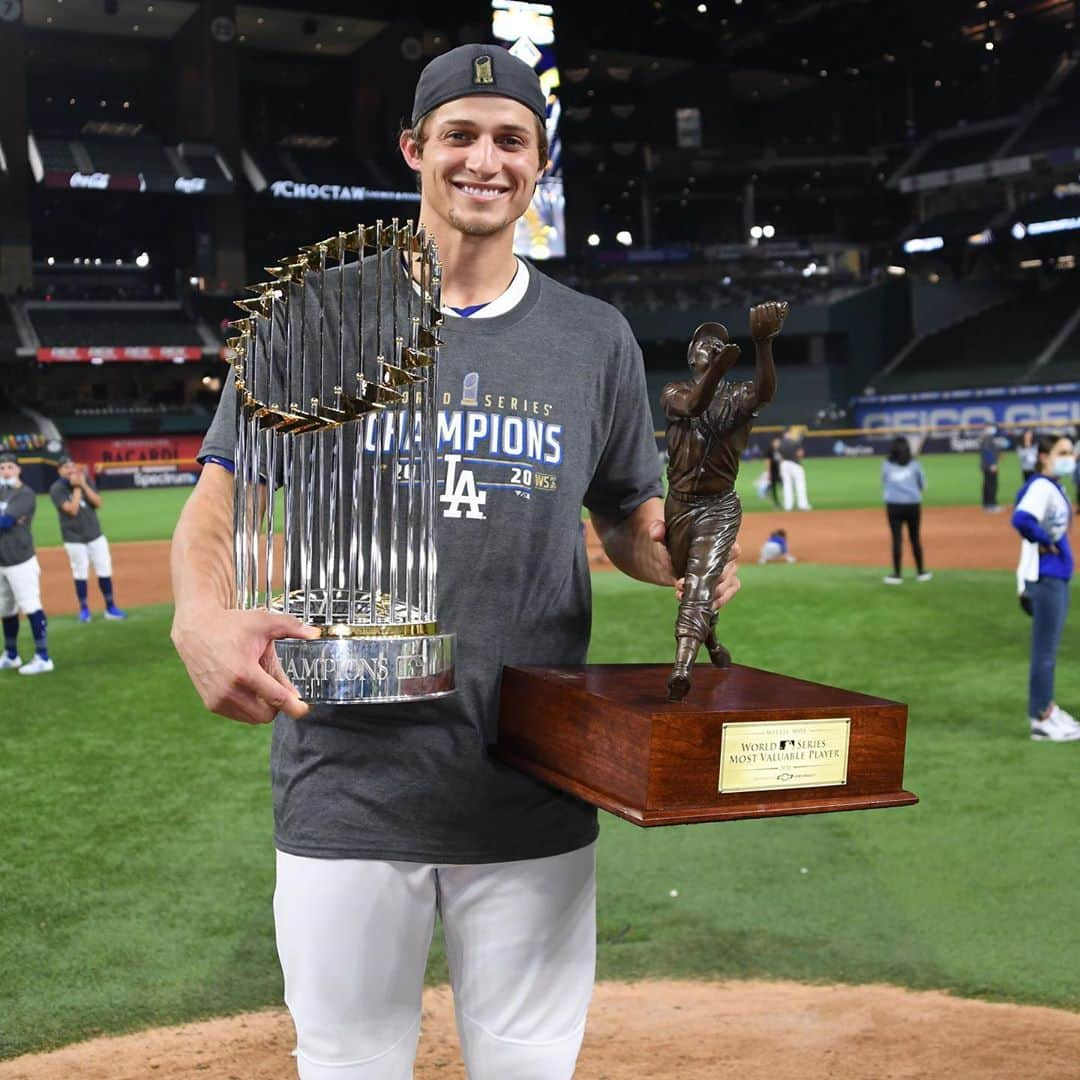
pixel 1065 719
pixel 37 666
pixel 892 579
pixel 9 661
pixel 925 576
pixel 1059 726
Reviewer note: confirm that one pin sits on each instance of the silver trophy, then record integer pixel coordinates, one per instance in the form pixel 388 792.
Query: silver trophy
pixel 336 369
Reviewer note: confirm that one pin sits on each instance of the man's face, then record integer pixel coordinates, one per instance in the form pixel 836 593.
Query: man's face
pixel 479 164
pixel 68 470
pixel 9 471
pixel 701 350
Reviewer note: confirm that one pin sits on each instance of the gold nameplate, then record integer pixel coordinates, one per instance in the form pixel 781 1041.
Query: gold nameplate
pixel 766 756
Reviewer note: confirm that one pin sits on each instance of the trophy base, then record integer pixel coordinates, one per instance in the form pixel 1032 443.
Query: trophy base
pixel 369 670
pixel 745 743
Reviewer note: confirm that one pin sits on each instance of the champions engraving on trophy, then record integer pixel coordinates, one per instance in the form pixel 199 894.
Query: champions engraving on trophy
pixel 335 371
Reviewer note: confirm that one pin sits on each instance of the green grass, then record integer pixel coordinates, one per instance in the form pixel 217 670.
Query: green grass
pixel 833 484
pixel 847 483
pixel 129 514
pixel 137 865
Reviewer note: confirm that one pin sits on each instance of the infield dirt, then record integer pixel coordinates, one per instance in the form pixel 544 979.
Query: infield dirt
pixel 954 538
pixel 662 1030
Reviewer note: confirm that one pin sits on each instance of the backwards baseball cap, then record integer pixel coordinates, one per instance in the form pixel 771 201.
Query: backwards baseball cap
pixel 8 458
pixel 63 459
pixel 477 69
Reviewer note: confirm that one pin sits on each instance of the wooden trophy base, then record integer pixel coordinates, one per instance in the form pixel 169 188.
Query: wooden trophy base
pixel 744 743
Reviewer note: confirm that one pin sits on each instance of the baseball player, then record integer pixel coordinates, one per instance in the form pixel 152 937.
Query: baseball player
pixel 19 571
pixel 388 815
pixel 78 502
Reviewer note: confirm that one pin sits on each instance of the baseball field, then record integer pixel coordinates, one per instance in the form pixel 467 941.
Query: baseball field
pixel 932 941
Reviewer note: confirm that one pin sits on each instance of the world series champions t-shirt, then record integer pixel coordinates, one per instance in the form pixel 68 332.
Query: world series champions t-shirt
pixel 17 542
pixel 78 528
pixel 542 409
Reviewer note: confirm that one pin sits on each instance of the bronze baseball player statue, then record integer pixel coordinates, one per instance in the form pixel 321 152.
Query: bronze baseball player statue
pixel 709 422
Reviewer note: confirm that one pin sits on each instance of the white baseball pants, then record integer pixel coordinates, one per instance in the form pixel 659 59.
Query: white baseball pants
pixel 793 478
pixel 19 588
pixel 82 555
pixel 353 937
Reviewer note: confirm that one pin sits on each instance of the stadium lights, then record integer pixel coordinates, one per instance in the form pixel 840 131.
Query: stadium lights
pixel 1030 264
pixel 980 239
pixel 755 232
pixel 923 243
pixel 624 238
pixel 1041 228
pixel 593 240
pixel 703 9
pixel 768 231
pixel 809 270
pixel 896 271
pixel 989 46
pixel 142 260
pixel 51 261
pixel 1018 231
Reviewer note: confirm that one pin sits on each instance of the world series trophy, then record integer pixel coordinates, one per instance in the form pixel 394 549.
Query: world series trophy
pixel 736 741
pixel 335 367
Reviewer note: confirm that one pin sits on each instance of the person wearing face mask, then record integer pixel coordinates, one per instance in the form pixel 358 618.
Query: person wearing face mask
pixel 19 571
pixel 1042 517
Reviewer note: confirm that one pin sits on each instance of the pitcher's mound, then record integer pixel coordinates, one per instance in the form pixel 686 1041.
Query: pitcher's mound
pixel 659 1031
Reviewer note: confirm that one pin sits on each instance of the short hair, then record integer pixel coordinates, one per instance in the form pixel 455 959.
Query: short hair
pixel 419 136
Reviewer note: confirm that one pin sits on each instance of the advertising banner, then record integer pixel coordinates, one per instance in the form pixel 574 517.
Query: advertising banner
pixel 139 461
pixel 1006 406
pixel 82 354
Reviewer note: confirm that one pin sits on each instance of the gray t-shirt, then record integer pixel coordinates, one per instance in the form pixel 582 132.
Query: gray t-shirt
pixel 78 528
pixel 17 542
pixel 553 388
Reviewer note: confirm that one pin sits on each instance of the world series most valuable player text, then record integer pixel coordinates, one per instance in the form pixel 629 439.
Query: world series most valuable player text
pixel 767 756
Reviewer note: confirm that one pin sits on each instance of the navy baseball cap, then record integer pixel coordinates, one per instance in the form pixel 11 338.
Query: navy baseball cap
pixel 477 69
pixel 8 458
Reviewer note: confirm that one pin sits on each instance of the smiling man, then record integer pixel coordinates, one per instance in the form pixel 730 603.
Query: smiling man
pixel 388 815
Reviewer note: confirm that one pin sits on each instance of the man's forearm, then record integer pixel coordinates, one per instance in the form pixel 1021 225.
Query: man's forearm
pixel 630 545
pixel 201 558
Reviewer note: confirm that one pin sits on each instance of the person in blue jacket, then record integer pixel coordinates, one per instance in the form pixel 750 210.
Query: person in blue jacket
pixel 1042 517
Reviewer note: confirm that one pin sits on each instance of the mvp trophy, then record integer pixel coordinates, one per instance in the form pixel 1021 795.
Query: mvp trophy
pixel 739 742
pixel 335 369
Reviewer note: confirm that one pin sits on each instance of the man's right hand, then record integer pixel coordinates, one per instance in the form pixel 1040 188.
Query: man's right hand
pixel 230 658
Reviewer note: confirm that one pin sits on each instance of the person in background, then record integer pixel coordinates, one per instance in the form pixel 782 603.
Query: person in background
pixel 988 460
pixel 792 471
pixel 903 482
pixel 775 549
pixel 20 574
pixel 1026 454
pixel 77 502
pixel 1042 517
pixel 774 469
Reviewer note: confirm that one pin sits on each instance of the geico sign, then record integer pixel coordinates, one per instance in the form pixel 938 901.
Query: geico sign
pixel 1034 413
pixel 289 189
pixel 98 180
